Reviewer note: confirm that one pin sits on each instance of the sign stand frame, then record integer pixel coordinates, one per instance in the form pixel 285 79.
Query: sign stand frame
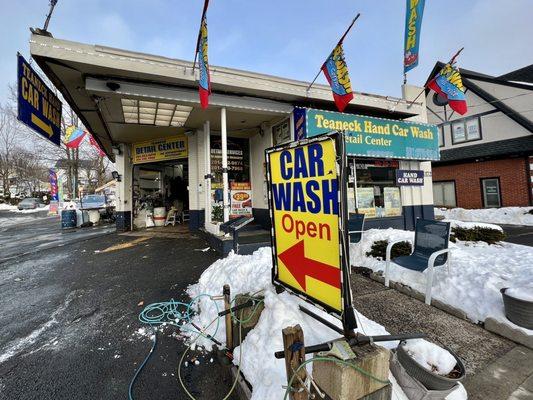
pixel 347 317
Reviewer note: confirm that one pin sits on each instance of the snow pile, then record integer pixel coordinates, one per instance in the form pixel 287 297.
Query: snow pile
pixel 504 215
pixel 522 293
pixel 430 356
pixel 478 272
pixel 251 274
pixel 7 207
pixel 454 223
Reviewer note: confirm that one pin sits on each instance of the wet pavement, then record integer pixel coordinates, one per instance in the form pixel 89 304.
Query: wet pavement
pixel 69 324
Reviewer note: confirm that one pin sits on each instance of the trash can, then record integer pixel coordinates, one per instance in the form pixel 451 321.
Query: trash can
pixel 68 219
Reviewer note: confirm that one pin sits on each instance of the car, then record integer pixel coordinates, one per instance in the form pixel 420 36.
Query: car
pixel 30 203
pixel 93 202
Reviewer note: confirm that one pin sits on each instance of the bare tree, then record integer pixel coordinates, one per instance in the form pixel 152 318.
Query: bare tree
pixel 8 144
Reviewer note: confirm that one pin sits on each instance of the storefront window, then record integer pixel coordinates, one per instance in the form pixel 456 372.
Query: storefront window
pixel 372 189
pixel 466 130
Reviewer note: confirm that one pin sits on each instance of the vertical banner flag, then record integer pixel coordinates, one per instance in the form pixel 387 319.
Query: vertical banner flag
pixel 54 193
pixel 74 136
pixel 413 24
pixel 336 72
pixel 204 83
pixel 448 84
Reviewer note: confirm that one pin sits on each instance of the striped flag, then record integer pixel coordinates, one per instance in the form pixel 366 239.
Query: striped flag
pixel 336 72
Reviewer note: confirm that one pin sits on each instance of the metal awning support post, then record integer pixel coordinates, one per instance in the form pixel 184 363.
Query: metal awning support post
pixel 224 134
pixel 207 143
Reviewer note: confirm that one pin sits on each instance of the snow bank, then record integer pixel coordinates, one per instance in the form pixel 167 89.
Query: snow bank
pixel 7 207
pixel 479 271
pixel 430 356
pixel 251 274
pixel 470 225
pixel 31 211
pixel 504 215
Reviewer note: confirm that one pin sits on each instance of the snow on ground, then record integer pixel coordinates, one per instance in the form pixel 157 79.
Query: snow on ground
pixel 478 273
pixel 504 215
pixel 7 222
pixel 7 207
pixel 252 274
pixel 470 225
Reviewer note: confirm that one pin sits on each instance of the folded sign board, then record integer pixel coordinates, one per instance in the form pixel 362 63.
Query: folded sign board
pixel 169 148
pixel 372 137
pixel 305 193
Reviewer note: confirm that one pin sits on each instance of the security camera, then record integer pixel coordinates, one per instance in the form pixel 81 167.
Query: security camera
pixel 113 86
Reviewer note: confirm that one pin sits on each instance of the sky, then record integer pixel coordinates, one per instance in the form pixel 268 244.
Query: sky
pixel 289 38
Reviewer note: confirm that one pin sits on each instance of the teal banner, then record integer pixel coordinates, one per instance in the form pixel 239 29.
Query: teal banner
pixel 376 137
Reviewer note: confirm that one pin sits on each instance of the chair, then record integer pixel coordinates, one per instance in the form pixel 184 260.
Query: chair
pixel 356 225
pixel 430 251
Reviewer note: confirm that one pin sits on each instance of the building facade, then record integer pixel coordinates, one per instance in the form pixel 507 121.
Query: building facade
pixel 209 165
pixel 487 154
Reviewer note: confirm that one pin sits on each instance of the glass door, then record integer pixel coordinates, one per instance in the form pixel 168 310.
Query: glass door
pixel 491 192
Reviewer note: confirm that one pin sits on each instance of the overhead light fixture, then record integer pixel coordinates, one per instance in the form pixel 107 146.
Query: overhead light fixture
pixel 154 113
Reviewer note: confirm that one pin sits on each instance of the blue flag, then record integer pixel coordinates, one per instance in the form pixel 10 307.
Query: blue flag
pixel 413 24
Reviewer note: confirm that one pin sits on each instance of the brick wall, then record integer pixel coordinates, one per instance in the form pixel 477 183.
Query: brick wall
pixel 513 174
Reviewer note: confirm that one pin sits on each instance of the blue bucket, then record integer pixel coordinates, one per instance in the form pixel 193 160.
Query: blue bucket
pixel 68 219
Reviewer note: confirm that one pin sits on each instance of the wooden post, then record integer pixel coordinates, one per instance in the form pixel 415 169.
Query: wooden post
pixel 293 339
pixel 229 328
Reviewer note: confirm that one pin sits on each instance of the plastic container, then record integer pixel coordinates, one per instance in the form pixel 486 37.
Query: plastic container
pixel 427 378
pixel 160 215
pixel 68 219
pixel 518 311
pixel 94 216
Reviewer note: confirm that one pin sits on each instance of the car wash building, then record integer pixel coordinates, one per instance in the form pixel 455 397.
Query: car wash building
pixel 209 165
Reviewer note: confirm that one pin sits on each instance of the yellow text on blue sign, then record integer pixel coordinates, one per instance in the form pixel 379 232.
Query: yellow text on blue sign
pixel 304 192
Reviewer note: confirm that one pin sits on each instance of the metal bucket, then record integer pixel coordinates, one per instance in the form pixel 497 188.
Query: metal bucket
pixel 427 378
pixel 68 219
pixel 518 311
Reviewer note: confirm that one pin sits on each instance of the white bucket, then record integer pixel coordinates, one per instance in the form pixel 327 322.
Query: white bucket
pixel 94 216
pixel 160 215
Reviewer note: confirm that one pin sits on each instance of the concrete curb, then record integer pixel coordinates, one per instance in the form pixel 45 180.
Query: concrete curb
pixel 516 335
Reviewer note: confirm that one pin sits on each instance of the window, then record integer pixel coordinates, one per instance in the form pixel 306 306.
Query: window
pixel 281 132
pixel 372 189
pixel 444 194
pixel 491 192
pixel 441 136
pixel 466 130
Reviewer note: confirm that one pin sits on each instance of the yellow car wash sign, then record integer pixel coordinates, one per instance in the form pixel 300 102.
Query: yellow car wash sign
pixel 304 196
pixel 169 148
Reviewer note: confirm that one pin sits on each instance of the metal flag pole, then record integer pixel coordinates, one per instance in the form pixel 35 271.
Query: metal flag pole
pixel 47 21
pixel 206 4
pixel 452 60
pixel 339 42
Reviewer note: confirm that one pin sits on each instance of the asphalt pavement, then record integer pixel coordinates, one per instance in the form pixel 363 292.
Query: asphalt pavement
pixel 69 324
pixel 519 234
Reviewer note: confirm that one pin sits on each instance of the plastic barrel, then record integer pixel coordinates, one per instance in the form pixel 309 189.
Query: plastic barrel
pixel 160 215
pixel 68 219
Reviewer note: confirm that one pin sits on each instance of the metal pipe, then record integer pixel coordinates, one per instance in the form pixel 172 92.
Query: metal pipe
pixel 229 327
pixel 224 137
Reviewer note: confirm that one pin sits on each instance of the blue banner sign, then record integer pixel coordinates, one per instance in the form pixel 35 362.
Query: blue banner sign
pixel 38 107
pixel 413 23
pixel 409 177
pixel 374 137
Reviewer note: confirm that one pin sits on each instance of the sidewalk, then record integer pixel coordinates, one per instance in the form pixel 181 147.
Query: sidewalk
pixel 496 367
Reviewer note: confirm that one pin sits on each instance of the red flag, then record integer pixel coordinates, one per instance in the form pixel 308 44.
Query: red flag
pixel 95 144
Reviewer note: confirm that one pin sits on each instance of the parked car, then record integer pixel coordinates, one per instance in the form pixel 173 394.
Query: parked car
pixel 30 203
pixel 96 202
